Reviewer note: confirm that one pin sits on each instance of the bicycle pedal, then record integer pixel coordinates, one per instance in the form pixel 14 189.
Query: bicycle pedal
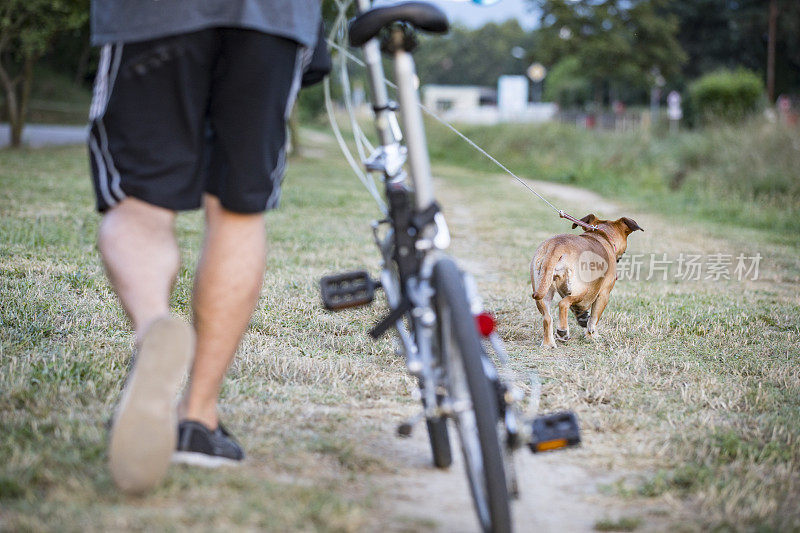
pixel 554 432
pixel 404 429
pixel 349 289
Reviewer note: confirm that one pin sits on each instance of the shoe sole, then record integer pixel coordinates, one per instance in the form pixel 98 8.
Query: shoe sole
pixel 144 432
pixel 202 459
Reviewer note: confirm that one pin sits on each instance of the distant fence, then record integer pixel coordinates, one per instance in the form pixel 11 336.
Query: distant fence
pixel 627 121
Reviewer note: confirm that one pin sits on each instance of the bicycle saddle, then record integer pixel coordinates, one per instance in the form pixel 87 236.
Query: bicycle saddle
pixel 421 15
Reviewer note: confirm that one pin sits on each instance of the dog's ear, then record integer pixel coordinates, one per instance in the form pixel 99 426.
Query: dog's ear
pixel 589 219
pixel 630 224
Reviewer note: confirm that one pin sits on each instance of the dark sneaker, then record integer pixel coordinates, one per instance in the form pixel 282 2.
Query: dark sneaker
pixel 143 429
pixel 200 446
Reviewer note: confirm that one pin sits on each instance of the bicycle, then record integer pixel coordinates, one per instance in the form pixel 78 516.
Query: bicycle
pixel 443 330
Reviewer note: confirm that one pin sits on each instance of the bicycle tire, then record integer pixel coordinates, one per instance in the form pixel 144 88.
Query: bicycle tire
pixel 439 438
pixel 438 435
pixel 467 384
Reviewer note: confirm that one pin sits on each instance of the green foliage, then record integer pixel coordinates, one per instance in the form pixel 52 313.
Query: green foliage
pixel 567 84
pixel 475 57
pixel 27 30
pixel 27 27
pixel 726 95
pixel 723 34
pixel 311 104
pixel 614 41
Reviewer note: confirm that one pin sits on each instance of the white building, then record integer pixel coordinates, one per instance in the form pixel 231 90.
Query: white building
pixel 444 98
pixel 478 105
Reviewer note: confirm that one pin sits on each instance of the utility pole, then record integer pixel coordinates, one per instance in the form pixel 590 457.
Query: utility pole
pixel 773 20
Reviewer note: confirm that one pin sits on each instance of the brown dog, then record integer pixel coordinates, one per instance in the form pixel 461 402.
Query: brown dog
pixel 583 269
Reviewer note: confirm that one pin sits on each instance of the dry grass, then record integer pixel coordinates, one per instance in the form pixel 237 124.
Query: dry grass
pixel 692 395
pixel 291 395
pixel 689 403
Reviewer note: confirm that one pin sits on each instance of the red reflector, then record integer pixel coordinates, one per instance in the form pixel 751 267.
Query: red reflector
pixel 485 323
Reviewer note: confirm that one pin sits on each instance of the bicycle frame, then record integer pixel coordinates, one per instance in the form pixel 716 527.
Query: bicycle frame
pixel 419 282
pixel 389 159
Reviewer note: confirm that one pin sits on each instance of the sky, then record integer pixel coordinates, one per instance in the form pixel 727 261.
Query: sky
pixel 474 15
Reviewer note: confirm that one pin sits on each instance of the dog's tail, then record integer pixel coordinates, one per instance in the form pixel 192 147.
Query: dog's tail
pixel 542 277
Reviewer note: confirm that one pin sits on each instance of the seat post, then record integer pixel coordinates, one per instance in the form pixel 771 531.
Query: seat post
pixel 377 86
pixel 411 115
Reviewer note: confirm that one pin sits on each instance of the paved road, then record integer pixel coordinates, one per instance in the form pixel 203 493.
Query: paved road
pixel 38 135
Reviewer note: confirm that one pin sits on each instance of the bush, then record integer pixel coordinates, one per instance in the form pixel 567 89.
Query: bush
pixel 311 103
pixel 726 95
pixel 567 85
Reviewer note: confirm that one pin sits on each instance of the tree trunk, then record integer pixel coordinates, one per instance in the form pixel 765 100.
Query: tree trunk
pixel 27 83
pixel 598 97
pixel 83 64
pixel 17 102
pixel 12 105
pixel 773 19
pixel 295 148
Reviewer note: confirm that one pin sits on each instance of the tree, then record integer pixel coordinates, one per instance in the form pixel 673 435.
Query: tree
pixel 623 43
pixel 773 19
pixel 474 57
pixel 27 28
pixel 725 34
pixel 566 84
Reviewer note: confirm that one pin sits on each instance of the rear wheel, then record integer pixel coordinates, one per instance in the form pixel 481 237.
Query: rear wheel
pixel 440 442
pixel 438 436
pixel 472 398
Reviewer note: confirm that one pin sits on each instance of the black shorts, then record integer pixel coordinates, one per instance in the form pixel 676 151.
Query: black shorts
pixel 180 116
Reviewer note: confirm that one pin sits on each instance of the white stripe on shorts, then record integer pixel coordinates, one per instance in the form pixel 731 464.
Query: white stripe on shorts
pixel 100 82
pixel 277 174
pixel 107 174
pixel 102 175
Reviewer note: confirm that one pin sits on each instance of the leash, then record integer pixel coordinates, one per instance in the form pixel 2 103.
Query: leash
pixel 561 213
pixel 581 223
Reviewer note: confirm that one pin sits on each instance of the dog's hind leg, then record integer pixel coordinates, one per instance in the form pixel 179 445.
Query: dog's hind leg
pixel 543 305
pixel 562 333
pixel 563 276
pixel 542 269
pixel 598 307
pixel 581 315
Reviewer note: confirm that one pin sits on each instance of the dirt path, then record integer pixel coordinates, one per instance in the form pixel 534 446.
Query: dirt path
pixel 556 492
pixel 573 195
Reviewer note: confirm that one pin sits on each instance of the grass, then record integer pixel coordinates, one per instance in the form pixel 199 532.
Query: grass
pixel 622 524
pixel 690 403
pixel 743 175
pixel 695 383
pixel 65 343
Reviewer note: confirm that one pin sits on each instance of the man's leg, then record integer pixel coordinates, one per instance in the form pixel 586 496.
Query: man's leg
pixel 141 256
pixel 138 247
pixel 226 290
pixel 249 103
